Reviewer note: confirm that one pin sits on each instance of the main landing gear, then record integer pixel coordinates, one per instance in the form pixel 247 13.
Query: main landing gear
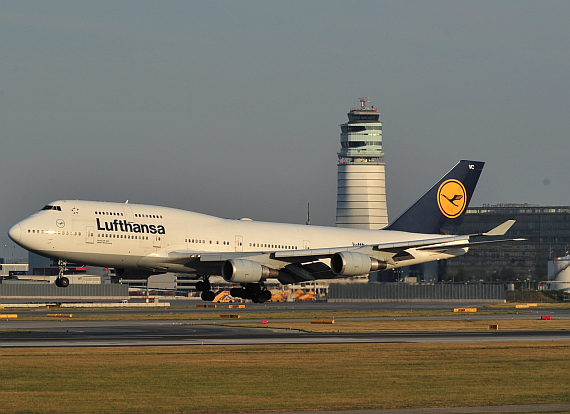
pixel 205 287
pixel 256 292
pixel 61 280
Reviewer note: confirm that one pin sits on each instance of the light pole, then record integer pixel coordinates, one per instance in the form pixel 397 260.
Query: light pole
pixel 4 253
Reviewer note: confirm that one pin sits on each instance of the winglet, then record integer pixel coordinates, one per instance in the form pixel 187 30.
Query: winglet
pixel 501 229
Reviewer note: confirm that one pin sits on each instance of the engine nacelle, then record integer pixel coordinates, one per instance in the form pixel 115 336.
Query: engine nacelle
pixel 353 264
pixel 245 271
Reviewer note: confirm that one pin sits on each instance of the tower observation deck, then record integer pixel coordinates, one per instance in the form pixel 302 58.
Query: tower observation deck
pixel 361 188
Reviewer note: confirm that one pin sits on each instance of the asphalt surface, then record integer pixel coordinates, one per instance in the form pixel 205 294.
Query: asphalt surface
pixel 71 333
pixel 167 333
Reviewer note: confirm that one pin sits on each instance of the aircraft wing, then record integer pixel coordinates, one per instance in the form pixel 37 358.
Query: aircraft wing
pixel 310 264
pixel 304 255
pixel 443 247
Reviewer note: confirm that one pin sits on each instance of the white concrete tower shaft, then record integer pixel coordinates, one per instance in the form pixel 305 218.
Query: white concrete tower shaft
pixel 361 189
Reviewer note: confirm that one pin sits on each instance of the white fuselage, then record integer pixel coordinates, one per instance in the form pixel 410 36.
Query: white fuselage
pixel 127 235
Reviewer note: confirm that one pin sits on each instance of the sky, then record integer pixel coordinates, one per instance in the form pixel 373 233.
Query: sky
pixel 232 108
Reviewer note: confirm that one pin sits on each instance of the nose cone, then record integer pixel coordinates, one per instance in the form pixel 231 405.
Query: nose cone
pixel 15 233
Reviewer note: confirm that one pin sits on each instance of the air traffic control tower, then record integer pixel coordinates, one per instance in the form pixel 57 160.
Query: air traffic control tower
pixel 361 191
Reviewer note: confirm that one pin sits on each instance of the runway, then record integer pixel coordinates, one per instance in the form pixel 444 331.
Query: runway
pixel 72 333
pixel 168 333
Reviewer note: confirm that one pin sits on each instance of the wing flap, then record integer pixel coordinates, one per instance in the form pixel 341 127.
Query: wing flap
pixel 183 256
pixel 313 253
pixel 444 247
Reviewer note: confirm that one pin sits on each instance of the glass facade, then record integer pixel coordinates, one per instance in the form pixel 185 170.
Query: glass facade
pixel 361 136
pixel 547 230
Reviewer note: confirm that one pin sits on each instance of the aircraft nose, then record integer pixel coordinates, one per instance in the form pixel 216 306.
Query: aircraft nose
pixel 15 233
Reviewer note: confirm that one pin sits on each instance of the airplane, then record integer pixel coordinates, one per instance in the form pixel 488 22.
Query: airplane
pixel 139 241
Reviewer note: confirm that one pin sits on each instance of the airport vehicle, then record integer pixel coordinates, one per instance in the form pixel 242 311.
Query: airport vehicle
pixel 143 240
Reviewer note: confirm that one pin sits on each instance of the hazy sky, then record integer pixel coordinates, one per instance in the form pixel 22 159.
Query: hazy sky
pixel 233 108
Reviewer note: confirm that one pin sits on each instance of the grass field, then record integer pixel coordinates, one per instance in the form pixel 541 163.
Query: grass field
pixel 269 378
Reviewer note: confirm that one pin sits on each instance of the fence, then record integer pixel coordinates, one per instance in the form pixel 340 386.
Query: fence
pixel 402 292
pixel 52 292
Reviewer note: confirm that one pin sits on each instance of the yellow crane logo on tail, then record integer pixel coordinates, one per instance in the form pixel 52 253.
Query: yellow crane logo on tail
pixel 451 198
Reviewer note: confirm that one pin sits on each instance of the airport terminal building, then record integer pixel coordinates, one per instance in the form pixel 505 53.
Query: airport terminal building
pixel 546 228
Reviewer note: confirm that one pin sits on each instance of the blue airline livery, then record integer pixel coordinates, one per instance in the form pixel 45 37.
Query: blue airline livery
pixel 124 226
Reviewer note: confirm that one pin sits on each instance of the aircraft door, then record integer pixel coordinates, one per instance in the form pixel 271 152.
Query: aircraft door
pixel 89 235
pixel 157 240
pixel 128 213
pixel 306 244
pixel 239 244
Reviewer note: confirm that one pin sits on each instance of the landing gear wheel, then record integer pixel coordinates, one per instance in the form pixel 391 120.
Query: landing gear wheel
pixel 208 295
pixel 61 280
pixel 238 293
pixel 202 286
pixel 264 295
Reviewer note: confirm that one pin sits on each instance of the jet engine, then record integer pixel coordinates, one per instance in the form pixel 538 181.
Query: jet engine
pixel 353 264
pixel 245 271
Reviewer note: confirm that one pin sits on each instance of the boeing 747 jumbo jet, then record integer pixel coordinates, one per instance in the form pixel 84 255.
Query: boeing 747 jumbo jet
pixel 140 240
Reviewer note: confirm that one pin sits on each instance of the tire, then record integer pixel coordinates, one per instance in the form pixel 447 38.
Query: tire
pixel 238 293
pixel 202 286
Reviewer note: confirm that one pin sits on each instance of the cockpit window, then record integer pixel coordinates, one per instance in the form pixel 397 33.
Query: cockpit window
pixel 48 207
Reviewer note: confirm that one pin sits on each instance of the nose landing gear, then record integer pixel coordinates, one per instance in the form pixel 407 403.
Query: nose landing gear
pixel 61 280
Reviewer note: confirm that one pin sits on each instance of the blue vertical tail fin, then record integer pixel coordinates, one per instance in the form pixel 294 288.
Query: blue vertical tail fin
pixel 441 209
